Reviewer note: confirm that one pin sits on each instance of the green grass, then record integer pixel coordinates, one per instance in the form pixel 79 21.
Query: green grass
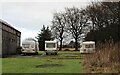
pixel 0 65
pixel 28 64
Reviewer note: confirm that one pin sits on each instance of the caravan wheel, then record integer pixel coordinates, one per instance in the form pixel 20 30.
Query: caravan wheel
pixel 36 53
pixel 56 53
pixel 46 53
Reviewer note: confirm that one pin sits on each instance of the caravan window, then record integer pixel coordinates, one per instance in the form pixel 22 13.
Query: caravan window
pixel 32 46
pixel 26 45
pixel 89 46
pixel 50 45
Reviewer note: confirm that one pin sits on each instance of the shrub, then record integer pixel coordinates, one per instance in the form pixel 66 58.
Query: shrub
pixel 19 50
pixel 107 56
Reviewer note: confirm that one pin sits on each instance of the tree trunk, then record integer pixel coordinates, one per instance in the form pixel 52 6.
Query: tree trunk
pixel 61 44
pixel 76 44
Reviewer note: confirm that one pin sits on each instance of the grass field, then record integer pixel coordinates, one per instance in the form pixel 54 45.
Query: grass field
pixel 64 62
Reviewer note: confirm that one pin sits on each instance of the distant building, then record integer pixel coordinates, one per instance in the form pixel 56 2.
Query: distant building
pixel 9 39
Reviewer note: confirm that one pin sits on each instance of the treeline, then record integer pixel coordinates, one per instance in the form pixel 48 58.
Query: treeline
pixel 105 21
pixel 109 33
pixel 99 21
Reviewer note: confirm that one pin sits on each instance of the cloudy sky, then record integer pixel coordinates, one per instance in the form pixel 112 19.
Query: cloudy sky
pixel 28 16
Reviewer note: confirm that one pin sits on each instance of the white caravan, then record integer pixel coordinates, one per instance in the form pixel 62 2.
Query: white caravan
pixel 51 47
pixel 87 47
pixel 30 46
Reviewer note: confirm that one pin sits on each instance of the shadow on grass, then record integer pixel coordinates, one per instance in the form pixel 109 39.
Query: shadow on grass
pixel 48 65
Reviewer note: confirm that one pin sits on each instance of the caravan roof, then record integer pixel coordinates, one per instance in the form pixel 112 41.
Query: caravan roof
pixel 28 42
pixel 88 42
pixel 50 41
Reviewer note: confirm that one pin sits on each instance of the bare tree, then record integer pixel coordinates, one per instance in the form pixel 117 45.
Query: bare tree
pixel 102 14
pixel 76 22
pixel 58 27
